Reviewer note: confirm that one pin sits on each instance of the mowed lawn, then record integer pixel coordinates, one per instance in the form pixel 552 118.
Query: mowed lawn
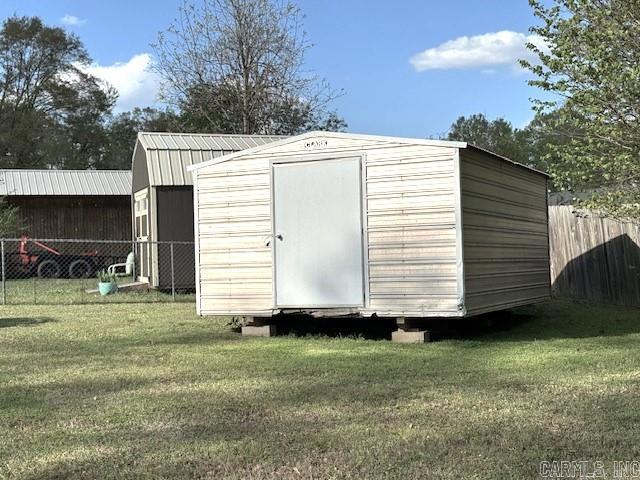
pixel 153 391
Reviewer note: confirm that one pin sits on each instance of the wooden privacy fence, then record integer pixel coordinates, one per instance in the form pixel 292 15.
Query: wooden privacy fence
pixel 594 258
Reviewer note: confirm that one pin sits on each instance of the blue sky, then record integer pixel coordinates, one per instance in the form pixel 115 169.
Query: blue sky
pixel 461 64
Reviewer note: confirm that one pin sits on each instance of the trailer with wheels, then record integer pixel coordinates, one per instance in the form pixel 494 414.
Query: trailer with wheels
pixel 44 261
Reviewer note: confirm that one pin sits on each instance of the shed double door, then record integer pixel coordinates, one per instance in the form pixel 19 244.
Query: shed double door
pixel 318 233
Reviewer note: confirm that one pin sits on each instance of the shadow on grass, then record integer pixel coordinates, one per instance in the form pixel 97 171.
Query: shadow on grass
pixel 24 322
pixel 555 319
pixel 223 434
pixel 380 328
pixel 321 405
pixel 373 328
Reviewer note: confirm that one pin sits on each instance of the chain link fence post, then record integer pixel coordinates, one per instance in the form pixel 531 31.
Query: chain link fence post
pixel 4 278
pixel 173 277
pixel 135 256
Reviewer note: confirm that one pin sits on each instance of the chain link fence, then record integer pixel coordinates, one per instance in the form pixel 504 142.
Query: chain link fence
pixel 63 271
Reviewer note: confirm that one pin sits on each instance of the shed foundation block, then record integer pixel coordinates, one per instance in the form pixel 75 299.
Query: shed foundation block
pixel 408 336
pixel 259 331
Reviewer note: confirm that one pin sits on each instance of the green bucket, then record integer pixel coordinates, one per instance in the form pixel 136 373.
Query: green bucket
pixel 107 288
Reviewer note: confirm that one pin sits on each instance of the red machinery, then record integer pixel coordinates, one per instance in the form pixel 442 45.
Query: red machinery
pixel 45 261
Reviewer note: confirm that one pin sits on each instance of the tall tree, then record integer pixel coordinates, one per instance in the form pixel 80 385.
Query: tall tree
pixel 497 135
pixel 122 130
pixel 591 62
pixel 237 66
pixel 51 111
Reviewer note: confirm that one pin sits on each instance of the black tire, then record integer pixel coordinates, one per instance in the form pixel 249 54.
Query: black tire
pixel 49 269
pixel 80 269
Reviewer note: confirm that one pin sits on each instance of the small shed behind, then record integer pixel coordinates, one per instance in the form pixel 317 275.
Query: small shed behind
pixel 332 223
pixel 163 198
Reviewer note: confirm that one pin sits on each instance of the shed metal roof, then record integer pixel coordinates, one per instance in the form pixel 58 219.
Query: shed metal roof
pixel 169 154
pixel 359 136
pixel 323 134
pixel 65 182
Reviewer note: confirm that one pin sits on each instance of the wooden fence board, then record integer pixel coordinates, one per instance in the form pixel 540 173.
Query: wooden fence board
pixel 594 258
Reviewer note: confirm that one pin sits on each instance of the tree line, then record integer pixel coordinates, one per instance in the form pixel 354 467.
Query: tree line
pixel 528 145
pixel 226 66
pixel 237 66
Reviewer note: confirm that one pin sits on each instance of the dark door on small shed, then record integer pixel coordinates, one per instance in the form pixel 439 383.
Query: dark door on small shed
pixel 175 223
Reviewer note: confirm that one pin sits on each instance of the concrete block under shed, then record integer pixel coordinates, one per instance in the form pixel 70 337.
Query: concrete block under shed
pixel 259 331
pixel 402 336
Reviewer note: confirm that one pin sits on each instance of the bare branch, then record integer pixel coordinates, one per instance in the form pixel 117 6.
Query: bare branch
pixel 237 66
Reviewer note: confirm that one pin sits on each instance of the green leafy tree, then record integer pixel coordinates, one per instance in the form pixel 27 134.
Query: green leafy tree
pixel 122 129
pixel 237 66
pixel 545 134
pixel 497 135
pixel 11 222
pixel 591 63
pixel 51 111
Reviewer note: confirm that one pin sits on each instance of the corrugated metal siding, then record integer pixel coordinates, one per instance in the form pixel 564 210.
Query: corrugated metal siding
pixel 169 154
pixel 139 171
pixel 410 223
pixel 411 231
pixel 65 182
pixel 234 223
pixel 506 261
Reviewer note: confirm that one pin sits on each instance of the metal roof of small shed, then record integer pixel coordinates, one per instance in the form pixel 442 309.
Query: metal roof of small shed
pixel 169 154
pixel 65 182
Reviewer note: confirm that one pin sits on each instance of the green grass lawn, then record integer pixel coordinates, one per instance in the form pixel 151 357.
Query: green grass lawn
pixel 57 291
pixel 153 391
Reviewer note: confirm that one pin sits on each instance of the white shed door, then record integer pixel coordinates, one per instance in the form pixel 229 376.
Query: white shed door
pixel 318 230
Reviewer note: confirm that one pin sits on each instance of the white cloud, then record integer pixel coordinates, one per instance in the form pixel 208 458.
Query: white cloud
pixel 136 84
pixel 484 51
pixel 72 20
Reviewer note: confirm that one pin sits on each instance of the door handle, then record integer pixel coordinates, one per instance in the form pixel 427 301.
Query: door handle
pixel 278 236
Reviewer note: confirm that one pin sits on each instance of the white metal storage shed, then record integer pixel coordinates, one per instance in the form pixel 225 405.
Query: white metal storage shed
pixel 334 223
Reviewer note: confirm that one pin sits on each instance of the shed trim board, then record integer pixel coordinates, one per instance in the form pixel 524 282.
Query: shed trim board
pixel 459 233
pixel 548 239
pixel 413 203
pixel 154 277
pixel 196 240
pixel 272 239
pixel 365 230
